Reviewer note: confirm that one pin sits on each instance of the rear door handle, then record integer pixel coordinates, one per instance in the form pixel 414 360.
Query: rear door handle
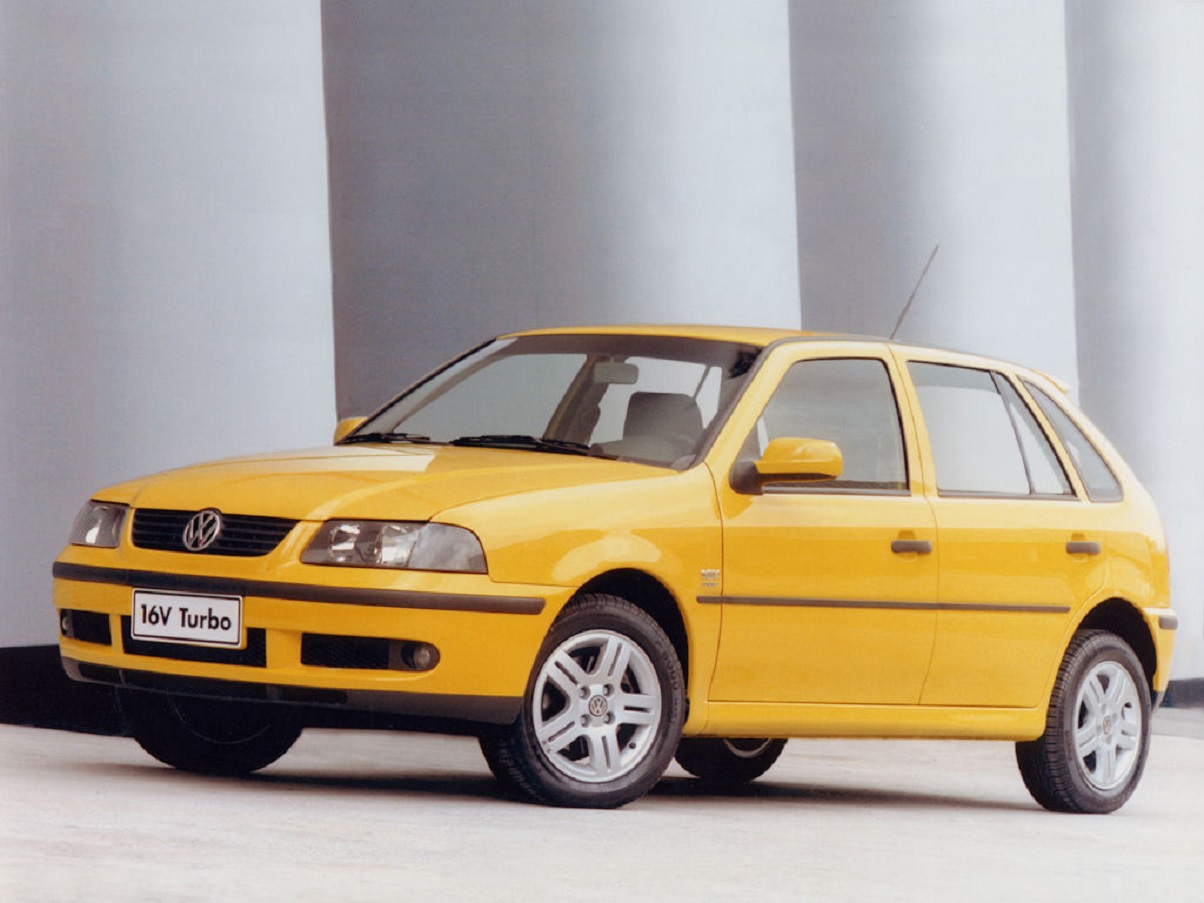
pixel 919 546
pixel 1079 547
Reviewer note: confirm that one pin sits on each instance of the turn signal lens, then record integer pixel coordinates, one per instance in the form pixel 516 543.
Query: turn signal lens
pixel 98 524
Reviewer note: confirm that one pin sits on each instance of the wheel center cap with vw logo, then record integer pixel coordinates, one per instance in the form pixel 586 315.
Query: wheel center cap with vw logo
pixel 202 530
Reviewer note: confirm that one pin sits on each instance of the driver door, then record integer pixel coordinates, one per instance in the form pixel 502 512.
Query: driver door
pixel 829 588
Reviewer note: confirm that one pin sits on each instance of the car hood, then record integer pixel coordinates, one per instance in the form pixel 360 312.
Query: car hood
pixel 409 482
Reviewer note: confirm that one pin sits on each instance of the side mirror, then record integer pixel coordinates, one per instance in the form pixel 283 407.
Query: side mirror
pixel 345 427
pixel 794 460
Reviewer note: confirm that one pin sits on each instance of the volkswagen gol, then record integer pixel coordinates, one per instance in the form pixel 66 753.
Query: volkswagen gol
pixel 598 549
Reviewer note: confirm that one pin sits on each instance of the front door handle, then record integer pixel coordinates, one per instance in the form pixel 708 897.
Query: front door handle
pixel 1080 547
pixel 919 546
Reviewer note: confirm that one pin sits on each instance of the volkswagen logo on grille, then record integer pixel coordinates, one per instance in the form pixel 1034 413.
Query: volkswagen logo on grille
pixel 202 530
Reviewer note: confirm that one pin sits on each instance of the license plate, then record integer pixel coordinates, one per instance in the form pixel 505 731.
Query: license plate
pixel 186 618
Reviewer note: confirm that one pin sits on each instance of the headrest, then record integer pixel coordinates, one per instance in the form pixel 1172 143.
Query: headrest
pixel 662 414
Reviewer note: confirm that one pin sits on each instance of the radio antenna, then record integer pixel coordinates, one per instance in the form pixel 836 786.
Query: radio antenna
pixel 912 296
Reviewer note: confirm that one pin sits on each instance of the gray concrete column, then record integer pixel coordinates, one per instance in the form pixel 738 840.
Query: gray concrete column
pixel 164 256
pixel 499 166
pixel 936 122
pixel 1137 110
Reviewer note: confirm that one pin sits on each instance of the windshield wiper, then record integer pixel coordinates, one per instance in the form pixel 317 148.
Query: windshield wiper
pixel 385 437
pixel 530 443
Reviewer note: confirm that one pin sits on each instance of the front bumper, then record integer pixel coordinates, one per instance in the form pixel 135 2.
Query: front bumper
pixel 317 644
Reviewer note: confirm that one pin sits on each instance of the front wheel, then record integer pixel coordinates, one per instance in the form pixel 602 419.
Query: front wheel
pixel 728 762
pixel 603 711
pixel 210 736
pixel 1097 732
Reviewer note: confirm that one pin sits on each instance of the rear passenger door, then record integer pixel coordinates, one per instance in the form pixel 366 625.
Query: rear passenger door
pixel 1018 550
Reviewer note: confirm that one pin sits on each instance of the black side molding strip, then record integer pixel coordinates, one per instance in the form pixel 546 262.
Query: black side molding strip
pixel 890 606
pixel 298 592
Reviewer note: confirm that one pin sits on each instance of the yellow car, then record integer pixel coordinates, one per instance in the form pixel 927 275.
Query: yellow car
pixel 597 549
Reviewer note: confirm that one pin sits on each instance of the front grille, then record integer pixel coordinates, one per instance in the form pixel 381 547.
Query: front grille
pixel 253 655
pixel 242 535
pixel 367 653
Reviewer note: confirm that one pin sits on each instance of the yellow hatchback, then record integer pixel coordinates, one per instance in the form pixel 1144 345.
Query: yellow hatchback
pixel 597 549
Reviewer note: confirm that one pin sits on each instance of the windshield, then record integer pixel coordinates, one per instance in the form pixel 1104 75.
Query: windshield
pixel 650 399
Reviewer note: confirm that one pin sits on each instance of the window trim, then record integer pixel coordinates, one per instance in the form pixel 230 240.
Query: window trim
pixel 822 489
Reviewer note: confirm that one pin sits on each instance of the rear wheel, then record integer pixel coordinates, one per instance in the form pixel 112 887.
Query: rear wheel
pixel 210 736
pixel 603 711
pixel 1097 732
pixel 722 761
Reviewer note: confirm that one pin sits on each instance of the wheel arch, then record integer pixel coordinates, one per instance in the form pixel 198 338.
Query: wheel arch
pixel 1122 618
pixel 654 598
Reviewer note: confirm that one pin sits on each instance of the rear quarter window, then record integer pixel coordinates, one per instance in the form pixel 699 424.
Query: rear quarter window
pixel 1098 479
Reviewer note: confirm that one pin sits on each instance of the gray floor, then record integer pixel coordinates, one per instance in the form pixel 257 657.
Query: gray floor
pixel 371 816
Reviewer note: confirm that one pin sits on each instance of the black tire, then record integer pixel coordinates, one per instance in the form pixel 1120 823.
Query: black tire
pixel 492 748
pixel 1097 732
pixel 603 710
pixel 209 736
pixel 720 761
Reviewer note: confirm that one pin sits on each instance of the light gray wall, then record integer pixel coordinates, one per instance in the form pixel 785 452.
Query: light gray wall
pixel 498 166
pixel 165 272
pixel 936 123
pixel 1053 152
pixel 1137 110
pixel 164 259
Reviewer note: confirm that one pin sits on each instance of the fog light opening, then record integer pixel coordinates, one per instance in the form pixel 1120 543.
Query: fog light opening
pixel 419 656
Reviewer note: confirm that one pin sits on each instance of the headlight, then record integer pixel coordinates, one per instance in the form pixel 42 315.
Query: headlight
pixel 98 524
pixel 396 544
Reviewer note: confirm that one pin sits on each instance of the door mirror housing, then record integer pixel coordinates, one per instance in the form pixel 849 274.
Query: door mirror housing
pixel 345 427
pixel 789 459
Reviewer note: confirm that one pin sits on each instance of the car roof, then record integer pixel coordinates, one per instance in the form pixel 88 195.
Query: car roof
pixel 765 336
pixel 750 335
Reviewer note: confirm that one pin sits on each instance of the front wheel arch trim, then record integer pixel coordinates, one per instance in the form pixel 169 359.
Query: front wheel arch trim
pixel 651 595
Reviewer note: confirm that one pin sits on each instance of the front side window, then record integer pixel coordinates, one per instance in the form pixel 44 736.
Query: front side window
pixel 850 402
pixel 984 439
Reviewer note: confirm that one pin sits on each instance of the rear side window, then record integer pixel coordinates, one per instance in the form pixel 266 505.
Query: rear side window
pixel 984 439
pixel 1098 479
pixel 849 401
